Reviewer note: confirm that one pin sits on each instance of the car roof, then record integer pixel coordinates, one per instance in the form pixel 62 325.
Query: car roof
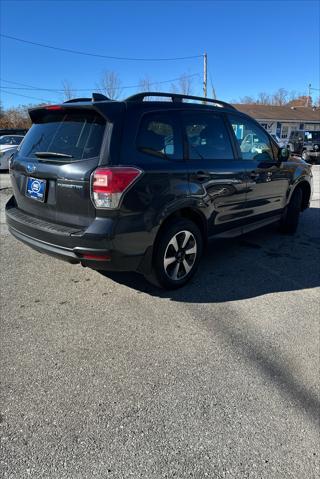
pixel 159 99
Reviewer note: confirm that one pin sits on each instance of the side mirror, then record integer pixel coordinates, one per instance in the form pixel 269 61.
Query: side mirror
pixel 284 154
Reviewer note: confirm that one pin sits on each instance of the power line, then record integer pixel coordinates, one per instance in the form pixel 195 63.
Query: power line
pixel 26 87
pixel 79 52
pixel 30 87
pixel 25 96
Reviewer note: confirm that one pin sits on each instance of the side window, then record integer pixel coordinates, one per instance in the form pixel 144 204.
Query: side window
pixel 207 136
pixel 253 142
pixel 159 136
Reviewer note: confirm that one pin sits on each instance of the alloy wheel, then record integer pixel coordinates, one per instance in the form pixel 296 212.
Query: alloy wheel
pixel 180 255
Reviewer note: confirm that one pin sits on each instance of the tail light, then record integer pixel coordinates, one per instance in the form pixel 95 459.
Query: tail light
pixel 53 107
pixel 109 185
pixel 96 257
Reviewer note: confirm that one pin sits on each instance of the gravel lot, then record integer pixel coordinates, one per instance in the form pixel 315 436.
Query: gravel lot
pixel 107 377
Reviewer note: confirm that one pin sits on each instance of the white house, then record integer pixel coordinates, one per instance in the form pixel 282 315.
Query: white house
pixel 281 120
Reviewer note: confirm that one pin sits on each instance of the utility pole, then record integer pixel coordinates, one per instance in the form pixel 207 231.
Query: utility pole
pixel 309 95
pixel 205 60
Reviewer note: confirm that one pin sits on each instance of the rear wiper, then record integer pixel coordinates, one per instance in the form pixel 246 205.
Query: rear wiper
pixel 51 154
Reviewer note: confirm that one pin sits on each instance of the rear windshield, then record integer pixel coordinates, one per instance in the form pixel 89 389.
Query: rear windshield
pixel 76 133
pixel 10 140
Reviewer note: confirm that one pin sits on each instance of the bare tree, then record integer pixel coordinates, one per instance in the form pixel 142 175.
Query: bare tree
pixel 110 85
pixel 68 91
pixel 293 95
pixel 145 84
pixel 16 117
pixel 173 88
pixel 185 84
pixel 263 98
pixel 300 101
pixel 280 97
pixel 248 100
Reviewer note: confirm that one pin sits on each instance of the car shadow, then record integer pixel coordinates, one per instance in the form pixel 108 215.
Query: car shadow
pixel 252 265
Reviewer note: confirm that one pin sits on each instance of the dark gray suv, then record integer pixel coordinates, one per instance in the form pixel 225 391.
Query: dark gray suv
pixel 140 185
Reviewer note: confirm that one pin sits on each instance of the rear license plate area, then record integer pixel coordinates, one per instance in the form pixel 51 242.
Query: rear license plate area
pixel 36 189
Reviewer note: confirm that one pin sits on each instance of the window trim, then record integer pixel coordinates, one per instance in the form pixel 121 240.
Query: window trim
pixel 206 112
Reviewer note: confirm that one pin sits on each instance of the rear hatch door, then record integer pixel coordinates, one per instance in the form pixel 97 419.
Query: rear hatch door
pixel 51 171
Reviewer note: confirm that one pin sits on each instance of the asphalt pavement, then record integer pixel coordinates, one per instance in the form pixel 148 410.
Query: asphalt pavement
pixel 104 376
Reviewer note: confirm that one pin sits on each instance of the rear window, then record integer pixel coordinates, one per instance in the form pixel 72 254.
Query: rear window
pixel 207 136
pixel 159 135
pixel 76 133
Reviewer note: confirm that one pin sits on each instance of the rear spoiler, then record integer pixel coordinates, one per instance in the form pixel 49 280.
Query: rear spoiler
pixel 95 97
pixel 107 108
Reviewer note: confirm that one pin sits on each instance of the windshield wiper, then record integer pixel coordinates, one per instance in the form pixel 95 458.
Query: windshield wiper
pixel 51 154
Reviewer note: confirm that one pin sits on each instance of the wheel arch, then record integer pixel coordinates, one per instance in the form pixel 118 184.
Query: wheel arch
pixel 187 212
pixel 306 194
pixel 305 187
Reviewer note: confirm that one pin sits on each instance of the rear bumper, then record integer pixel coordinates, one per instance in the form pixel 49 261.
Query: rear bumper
pixel 71 244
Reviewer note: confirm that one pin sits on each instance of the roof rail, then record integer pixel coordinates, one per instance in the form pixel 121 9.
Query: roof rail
pixel 177 98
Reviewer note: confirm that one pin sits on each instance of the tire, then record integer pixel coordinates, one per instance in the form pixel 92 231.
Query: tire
pixel 177 254
pixel 290 219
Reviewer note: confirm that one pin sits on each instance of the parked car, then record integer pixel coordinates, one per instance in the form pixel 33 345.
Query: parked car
pixel 281 143
pixel 306 144
pixel 140 185
pixel 311 147
pixel 295 141
pixel 8 144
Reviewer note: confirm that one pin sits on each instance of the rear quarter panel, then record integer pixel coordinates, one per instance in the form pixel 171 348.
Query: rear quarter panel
pixel 301 171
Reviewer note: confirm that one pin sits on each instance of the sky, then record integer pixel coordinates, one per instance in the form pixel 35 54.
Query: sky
pixel 252 46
